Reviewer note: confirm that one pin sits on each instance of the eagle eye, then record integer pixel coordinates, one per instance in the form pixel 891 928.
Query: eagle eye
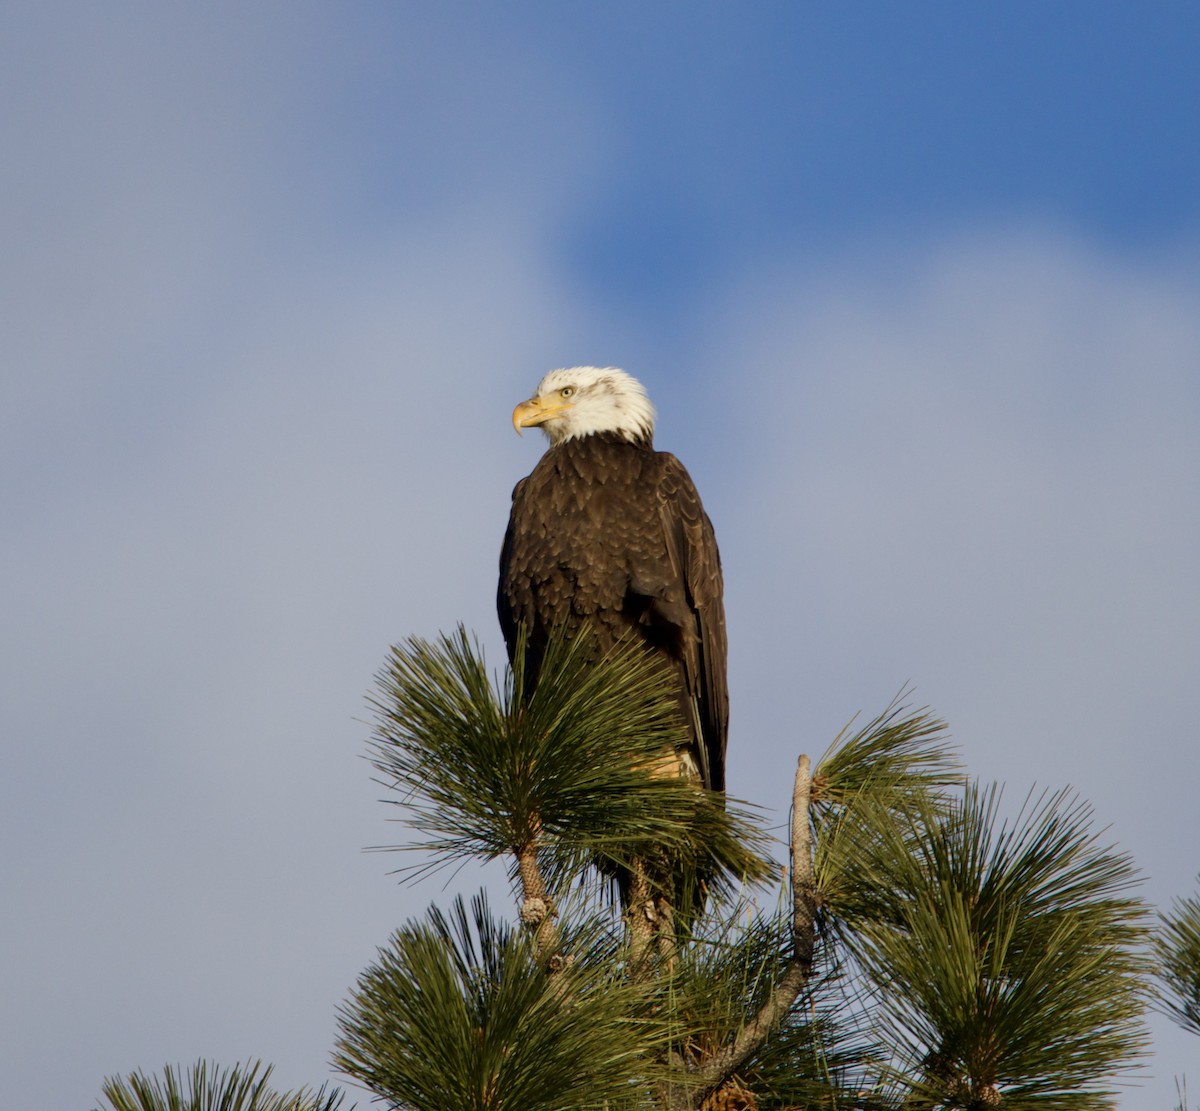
pixel 566 391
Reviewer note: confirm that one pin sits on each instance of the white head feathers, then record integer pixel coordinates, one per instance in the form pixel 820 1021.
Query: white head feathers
pixel 583 400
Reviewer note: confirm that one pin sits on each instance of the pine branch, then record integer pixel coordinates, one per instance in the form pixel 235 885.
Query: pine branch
pixel 1009 959
pixel 459 1013
pixel 900 755
pixel 207 1088
pixel 640 921
pixel 537 906
pixel 886 778
pixel 1177 952
pixel 819 1055
pixel 570 767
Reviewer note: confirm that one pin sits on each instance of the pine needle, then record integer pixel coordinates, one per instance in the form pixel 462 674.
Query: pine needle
pixel 572 769
pixel 206 1087
pixel 1177 952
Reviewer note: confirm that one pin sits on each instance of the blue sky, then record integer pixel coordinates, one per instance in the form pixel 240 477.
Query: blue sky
pixel 914 288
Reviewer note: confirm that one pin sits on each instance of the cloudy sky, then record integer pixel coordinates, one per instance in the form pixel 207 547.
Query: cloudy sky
pixel 915 287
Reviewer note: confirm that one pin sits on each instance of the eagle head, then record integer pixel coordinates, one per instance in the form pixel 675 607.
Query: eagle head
pixel 583 400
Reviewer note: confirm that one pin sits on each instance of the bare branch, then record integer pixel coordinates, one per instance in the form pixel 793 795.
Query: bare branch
pixel 641 919
pixel 804 889
pixel 799 968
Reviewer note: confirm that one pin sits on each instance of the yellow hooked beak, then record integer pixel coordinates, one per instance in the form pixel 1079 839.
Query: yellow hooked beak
pixel 535 411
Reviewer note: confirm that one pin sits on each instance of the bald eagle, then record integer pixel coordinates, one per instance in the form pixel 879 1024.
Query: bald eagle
pixel 609 533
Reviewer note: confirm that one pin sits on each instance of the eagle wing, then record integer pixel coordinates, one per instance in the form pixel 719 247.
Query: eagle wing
pixel 504 605
pixel 692 547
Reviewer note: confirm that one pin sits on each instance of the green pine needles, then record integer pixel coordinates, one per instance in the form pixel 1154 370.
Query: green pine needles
pixel 458 1012
pixel 206 1087
pixel 1177 953
pixel 922 952
pixel 923 948
pixel 1008 962
pixel 574 771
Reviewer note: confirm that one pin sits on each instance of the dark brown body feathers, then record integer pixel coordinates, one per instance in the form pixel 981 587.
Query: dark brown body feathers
pixel 612 534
